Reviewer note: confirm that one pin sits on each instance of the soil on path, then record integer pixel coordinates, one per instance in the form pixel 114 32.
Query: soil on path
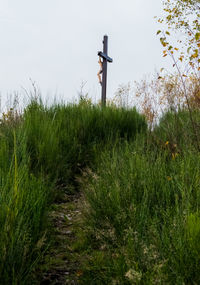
pixel 61 264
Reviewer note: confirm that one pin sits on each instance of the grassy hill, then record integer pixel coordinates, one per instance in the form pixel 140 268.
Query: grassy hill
pixel 141 190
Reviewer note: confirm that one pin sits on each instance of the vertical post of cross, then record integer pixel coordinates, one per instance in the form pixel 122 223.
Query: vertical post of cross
pixel 106 58
pixel 104 75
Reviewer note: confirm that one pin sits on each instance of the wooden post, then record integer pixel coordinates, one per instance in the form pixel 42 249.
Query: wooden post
pixel 106 59
pixel 104 75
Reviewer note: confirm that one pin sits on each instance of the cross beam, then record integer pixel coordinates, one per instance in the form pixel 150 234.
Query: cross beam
pixel 106 58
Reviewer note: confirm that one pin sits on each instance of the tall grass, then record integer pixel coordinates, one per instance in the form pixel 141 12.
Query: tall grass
pixel 23 202
pixel 142 192
pixel 142 217
pixel 41 149
pixel 62 139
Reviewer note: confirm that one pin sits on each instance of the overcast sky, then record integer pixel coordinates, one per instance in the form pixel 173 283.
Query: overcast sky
pixel 55 43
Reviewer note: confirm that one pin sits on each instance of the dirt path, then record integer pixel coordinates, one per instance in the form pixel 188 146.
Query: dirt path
pixel 61 265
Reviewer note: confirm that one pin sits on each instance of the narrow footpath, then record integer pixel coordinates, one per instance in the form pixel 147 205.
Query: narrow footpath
pixel 61 264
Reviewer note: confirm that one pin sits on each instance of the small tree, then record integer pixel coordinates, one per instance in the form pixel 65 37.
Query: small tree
pixel 183 17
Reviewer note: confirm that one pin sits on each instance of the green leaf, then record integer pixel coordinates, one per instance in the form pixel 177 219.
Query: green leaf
pixel 195 54
pixel 163 42
pixel 158 32
pixel 197 36
pixel 169 17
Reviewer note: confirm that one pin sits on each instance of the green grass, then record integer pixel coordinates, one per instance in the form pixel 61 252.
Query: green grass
pixel 23 203
pixel 63 139
pixel 42 150
pixel 142 219
pixel 141 188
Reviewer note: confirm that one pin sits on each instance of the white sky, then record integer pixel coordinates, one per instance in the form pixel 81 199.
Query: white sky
pixel 55 43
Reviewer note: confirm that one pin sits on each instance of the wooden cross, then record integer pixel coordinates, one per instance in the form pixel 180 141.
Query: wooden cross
pixel 106 58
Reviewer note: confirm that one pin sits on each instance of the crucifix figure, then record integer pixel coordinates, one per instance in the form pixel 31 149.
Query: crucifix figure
pixel 100 62
pixel 103 64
